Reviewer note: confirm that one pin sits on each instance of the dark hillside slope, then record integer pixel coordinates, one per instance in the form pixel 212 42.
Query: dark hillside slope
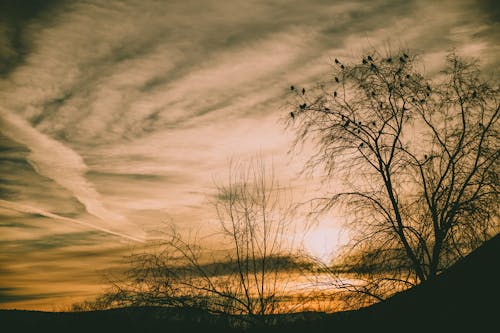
pixel 465 298
pixel 469 290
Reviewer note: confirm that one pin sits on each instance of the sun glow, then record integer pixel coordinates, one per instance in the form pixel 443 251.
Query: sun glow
pixel 323 239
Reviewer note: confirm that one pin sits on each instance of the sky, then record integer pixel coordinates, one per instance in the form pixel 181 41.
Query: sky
pixel 117 117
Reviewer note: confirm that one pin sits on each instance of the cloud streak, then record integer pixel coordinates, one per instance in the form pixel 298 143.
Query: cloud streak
pixel 33 210
pixel 56 161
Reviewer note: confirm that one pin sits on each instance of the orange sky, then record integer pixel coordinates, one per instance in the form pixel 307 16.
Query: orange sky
pixel 116 116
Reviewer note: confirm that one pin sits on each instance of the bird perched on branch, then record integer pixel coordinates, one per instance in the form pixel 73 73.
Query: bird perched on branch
pixel 337 79
pixel 292 115
pixel 292 88
pixel 303 91
pixel 370 58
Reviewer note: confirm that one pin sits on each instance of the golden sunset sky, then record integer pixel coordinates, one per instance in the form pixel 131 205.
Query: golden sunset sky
pixel 118 116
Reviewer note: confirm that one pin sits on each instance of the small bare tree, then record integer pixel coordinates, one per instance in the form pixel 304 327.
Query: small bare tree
pixel 256 217
pixel 418 160
pixel 246 275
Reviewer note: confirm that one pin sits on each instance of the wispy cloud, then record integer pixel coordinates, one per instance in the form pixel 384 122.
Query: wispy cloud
pixel 34 210
pixel 56 161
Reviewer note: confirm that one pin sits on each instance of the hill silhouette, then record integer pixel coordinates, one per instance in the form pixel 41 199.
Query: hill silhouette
pixel 464 298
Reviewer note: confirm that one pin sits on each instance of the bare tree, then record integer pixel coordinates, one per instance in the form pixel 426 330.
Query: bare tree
pixel 246 275
pixel 418 160
pixel 256 216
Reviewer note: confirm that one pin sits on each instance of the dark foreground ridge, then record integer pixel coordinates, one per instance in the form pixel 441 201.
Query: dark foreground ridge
pixel 464 298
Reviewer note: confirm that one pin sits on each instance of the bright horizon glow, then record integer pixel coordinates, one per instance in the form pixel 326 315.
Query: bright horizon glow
pixel 323 239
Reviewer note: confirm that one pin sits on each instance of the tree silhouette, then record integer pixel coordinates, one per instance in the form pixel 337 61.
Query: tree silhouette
pixel 418 161
pixel 246 274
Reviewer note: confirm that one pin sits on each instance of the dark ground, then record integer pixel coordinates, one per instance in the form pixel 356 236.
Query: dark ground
pixel 466 298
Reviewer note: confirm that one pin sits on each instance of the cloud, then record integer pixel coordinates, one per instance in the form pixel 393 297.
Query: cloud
pixel 12 295
pixel 14 18
pixel 33 210
pixel 58 162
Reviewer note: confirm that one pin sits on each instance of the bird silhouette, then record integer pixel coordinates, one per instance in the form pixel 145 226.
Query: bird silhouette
pixel 334 94
pixel 370 58
pixel 303 91
pixel 389 60
pixel 364 61
pixel 407 76
pixel 337 61
pixel 342 66
pixel 372 66
pixel 337 79
pixel 402 59
pixel 425 156
pixel 292 115
pixel 303 106
pixel 292 88
pixel 361 145
pixel 405 55
pixel 429 87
